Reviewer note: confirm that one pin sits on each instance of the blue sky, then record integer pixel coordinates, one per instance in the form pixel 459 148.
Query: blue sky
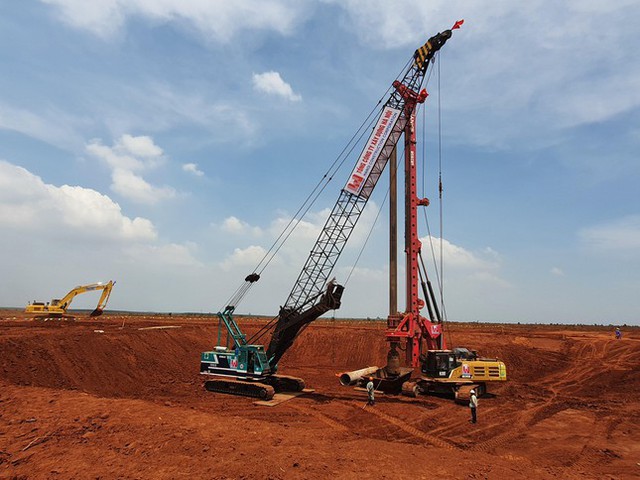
pixel 165 144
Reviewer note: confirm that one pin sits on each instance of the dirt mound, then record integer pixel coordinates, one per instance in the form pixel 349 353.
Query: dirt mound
pixel 116 398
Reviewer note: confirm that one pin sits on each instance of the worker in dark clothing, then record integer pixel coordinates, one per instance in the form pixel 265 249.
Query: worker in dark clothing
pixel 473 405
pixel 370 394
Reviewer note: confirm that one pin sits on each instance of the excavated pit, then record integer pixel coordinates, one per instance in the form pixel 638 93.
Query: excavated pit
pixel 111 397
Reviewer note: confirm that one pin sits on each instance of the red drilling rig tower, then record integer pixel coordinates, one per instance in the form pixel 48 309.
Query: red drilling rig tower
pixel 411 327
pixel 418 330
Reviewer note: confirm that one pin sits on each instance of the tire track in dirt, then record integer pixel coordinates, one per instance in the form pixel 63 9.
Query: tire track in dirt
pixel 436 441
pixel 588 457
pixel 322 417
pixel 411 430
pixel 526 419
pixel 454 424
pixel 556 383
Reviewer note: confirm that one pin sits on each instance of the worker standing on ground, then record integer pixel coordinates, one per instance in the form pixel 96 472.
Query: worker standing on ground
pixel 618 333
pixel 473 405
pixel 370 393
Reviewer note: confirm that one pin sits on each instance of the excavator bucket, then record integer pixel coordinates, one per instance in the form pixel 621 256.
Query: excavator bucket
pixel 96 313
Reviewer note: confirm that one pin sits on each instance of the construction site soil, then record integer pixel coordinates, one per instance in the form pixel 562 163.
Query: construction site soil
pixel 112 398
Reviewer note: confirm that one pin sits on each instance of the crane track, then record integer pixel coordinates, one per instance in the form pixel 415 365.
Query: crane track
pixel 243 389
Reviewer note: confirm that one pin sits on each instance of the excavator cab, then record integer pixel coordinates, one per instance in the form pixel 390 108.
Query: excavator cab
pixel 439 363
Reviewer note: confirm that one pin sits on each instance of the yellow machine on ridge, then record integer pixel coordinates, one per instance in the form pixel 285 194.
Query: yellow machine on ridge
pixel 58 307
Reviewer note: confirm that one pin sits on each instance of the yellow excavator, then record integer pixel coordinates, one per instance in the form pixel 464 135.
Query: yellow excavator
pixel 57 308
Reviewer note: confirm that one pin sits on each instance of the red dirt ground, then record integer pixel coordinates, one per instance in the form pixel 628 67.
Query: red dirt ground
pixel 129 403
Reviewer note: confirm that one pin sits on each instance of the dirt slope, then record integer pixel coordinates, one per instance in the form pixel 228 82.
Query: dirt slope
pixel 129 403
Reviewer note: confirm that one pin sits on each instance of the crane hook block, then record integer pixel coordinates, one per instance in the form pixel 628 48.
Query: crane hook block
pixel 254 277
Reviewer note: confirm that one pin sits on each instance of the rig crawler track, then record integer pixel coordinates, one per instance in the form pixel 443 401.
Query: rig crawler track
pixel 264 389
pixel 236 387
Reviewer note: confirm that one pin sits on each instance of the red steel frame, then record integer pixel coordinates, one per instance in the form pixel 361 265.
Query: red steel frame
pixel 410 327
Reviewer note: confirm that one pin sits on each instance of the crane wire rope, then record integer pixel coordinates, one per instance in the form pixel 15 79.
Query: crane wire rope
pixel 443 307
pixel 439 271
pixel 263 330
pixel 440 186
pixel 297 218
pixel 300 213
pixel 332 170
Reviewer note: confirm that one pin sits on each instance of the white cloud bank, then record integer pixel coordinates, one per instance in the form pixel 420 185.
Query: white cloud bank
pixel 126 157
pixel 54 237
pixel 215 19
pixel 28 203
pixel 272 83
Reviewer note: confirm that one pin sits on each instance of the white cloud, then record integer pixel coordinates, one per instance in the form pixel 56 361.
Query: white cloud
pixel 489 279
pixel 136 188
pixel 27 203
pixel 114 159
pixel 129 153
pixel 558 272
pixel 290 256
pixel 232 225
pixel 305 230
pixel 236 226
pixel 52 126
pixel 193 169
pixel 214 19
pixel 622 234
pixel 102 17
pixel 272 83
pixel 244 257
pixel 164 106
pixel 132 154
pixel 458 257
pixel 555 86
pixel 141 146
